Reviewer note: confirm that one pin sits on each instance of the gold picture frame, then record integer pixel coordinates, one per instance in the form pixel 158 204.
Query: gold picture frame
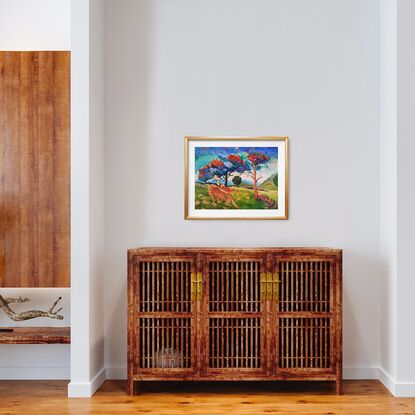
pixel 200 202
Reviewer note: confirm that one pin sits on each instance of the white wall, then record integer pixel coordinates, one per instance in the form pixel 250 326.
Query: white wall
pixel 35 25
pixel 306 69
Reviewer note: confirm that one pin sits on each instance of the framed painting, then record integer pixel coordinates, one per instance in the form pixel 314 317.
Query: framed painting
pixel 236 177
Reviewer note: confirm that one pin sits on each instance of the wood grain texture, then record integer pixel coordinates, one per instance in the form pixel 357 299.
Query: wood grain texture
pixel 360 397
pixel 36 335
pixel 35 169
pixel 262 314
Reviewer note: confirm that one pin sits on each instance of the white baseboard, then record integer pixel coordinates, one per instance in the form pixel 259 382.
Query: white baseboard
pixel 116 373
pixel 35 373
pixel 86 389
pixel 398 389
pixel 388 381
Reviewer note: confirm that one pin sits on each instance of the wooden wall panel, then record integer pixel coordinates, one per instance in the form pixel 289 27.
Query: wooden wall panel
pixel 35 169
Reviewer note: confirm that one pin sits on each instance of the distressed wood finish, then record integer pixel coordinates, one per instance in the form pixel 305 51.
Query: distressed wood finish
pixel 235 314
pixel 35 169
pixel 36 335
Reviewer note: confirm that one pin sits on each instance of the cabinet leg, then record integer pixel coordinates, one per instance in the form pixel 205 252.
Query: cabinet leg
pixel 339 387
pixel 130 387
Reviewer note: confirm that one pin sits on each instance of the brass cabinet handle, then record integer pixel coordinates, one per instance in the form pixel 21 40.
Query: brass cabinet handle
pixel 276 286
pixel 193 286
pixel 196 281
pixel 269 286
pixel 199 284
pixel 263 282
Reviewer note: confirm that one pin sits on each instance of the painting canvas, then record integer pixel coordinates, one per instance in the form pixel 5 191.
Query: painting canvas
pixel 236 178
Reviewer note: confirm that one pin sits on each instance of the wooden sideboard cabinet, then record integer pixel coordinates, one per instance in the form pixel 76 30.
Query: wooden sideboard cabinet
pixel 234 314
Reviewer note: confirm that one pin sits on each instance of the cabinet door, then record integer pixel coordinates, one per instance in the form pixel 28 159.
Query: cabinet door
pixel 233 317
pixel 163 331
pixel 303 316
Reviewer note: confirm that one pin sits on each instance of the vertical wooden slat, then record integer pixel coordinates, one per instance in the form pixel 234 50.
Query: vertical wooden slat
pixel 182 339
pixel 241 285
pixel 321 286
pixel 168 284
pixel 185 330
pixel 283 300
pixel 11 164
pixel 328 287
pixel 300 286
pixel 61 167
pixel 46 172
pixel 161 278
pixel 23 172
pixel 177 303
pixel 315 296
pixel 234 341
pixel 184 277
pixel 147 282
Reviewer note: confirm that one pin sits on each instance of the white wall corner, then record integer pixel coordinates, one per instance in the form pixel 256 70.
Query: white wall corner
pixel 387 380
pixel 87 389
pixel 397 389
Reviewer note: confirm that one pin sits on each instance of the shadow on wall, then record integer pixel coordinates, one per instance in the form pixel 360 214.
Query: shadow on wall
pixel 128 37
pixel 360 272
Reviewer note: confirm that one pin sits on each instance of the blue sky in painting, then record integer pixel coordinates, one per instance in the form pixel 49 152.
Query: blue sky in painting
pixel 204 155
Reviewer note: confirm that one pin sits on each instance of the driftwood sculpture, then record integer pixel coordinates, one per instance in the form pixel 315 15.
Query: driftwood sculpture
pixel 28 315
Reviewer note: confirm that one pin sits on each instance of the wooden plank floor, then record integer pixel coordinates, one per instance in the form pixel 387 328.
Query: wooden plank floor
pixel 248 398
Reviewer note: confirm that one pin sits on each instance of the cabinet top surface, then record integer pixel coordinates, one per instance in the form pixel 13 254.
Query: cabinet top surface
pixel 234 250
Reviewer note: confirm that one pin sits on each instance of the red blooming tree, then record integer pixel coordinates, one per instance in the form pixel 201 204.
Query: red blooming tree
pixel 214 168
pixel 223 168
pixel 257 160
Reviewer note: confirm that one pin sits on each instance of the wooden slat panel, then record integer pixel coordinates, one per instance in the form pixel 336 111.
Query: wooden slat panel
pixel 305 319
pixel 159 287
pixel 300 356
pixel 304 286
pixel 166 343
pixel 35 169
pixel 235 343
pixel 228 283
pixel 162 314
